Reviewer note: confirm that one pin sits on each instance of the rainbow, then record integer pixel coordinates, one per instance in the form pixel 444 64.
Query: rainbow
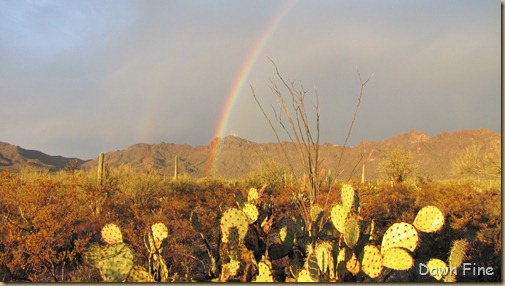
pixel 240 79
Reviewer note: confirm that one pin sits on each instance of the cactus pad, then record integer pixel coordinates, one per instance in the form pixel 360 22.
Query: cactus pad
pixel 347 195
pixel 353 265
pixel 372 261
pixel 429 219
pixel 316 212
pixel 251 212
pixel 324 256
pixel 400 234
pixel 160 232
pixel 351 233
pixel 139 274
pixel 265 274
pixel 338 217
pixel 397 259
pixel 234 218
pixel 195 222
pixel 304 276
pixel 111 234
pixel 252 196
pixel 458 253
pixel 437 268
pixel 114 261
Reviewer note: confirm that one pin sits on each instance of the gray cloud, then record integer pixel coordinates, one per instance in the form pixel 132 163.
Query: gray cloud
pixel 78 78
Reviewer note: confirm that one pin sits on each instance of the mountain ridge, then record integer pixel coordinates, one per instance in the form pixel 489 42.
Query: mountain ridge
pixel 238 157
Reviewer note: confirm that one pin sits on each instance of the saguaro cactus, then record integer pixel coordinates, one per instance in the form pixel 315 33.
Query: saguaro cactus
pixel 176 168
pixel 100 169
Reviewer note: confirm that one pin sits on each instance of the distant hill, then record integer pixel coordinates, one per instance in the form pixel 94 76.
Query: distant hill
pixel 15 158
pixel 238 157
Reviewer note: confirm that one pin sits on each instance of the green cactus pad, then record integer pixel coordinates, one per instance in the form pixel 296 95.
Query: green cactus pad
pixel 372 261
pixel 351 233
pixel 233 266
pixel 252 196
pixel 429 219
pixel 234 218
pixel 312 267
pixel 139 274
pixel 111 234
pixel 324 256
pixel 316 212
pixel 400 234
pixel 437 268
pixel 347 195
pixel 397 259
pixel 149 243
pixel 458 253
pixel 353 265
pixel 114 261
pixel 195 222
pixel 159 230
pixel 240 198
pixel 338 217
pixel 251 212
pixel 265 274
pixel 304 276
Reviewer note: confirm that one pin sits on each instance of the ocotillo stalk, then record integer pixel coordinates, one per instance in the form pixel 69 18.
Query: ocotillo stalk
pixel 100 169
pixel 176 168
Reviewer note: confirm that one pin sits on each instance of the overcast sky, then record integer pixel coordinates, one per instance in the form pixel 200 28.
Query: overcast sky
pixel 82 77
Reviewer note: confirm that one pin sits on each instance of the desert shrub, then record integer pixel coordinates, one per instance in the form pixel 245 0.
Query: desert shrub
pixel 397 165
pixel 38 223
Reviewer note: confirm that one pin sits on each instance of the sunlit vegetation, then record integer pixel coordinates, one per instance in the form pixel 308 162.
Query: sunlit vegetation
pixel 48 220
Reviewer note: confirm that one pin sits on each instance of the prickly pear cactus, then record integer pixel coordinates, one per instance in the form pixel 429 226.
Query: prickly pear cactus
pixel 139 274
pixel 351 233
pixel 251 211
pixel 397 259
pixel 195 222
pixel 372 261
pixel 234 218
pixel 160 232
pixel 458 253
pixel 252 196
pixel 114 261
pixel 400 234
pixel 429 219
pixel 436 268
pixel 316 212
pixel 338 217
pixel 111 234
pixel 265 272
pixel 304 276
pixel 353 265
pixel 347 194
pixel 324 256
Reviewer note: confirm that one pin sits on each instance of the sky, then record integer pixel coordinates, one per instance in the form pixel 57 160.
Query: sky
pixel 82 77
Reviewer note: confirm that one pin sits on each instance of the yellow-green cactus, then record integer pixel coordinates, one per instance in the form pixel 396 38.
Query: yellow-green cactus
pixel 400 234
pixel 234 218
pixel 372 261
pixel 397 259
pixel 111 234
pixel 429 219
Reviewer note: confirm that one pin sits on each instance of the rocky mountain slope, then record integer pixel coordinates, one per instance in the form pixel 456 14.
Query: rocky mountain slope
pixel 238 157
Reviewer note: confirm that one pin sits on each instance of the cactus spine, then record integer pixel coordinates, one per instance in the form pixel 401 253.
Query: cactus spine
pixel 101 169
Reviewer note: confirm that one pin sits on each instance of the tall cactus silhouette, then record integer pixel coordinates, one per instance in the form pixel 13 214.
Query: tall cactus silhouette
pixel 176 168
pixel 100 169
